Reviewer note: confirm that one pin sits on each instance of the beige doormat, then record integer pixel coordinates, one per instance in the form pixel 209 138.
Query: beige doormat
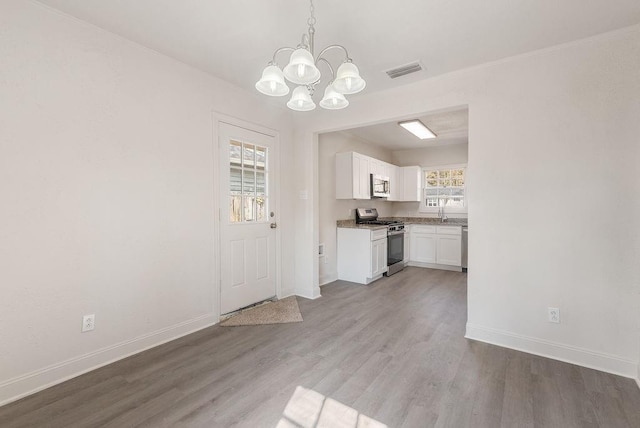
pixel 280 312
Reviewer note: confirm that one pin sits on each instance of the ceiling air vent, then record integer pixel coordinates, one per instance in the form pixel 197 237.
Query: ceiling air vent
pixel 403 70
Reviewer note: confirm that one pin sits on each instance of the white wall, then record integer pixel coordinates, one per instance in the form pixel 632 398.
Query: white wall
pixel 106 184
pixel 453 154
pixel 332 209
pixel 553 155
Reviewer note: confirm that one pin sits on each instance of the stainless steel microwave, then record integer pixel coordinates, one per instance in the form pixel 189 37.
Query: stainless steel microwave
pixel 379 186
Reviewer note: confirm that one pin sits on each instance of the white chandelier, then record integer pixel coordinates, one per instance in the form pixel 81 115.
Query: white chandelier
pixel 302 70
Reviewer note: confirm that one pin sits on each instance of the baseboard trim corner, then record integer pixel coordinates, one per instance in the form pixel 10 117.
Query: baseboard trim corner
pixel 35 381
pixel 554 350
pixel 324 280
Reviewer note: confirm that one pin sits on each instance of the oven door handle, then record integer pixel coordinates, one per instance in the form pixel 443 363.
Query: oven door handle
pixel 396 233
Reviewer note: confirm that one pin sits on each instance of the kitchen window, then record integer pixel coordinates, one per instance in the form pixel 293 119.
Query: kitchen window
pixel 444 187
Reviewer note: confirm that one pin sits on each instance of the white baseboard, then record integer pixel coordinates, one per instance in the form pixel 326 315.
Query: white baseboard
pixel 435 266
pixel 30 383
pixel 287 293
pixel 557 351
pixel 324 280
pixel 315 295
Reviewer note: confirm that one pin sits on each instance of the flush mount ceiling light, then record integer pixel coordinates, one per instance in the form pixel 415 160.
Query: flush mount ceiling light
pixel 303 71
pixel 418 129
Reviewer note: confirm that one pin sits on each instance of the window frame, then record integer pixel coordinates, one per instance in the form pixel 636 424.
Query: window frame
pixel 423 208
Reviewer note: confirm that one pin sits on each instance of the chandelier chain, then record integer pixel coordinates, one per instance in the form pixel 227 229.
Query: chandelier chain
pixel 312 19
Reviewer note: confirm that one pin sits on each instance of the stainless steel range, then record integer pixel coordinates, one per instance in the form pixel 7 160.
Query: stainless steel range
pixel 395 237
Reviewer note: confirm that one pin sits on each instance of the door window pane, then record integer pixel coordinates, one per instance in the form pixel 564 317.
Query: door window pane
pixel 248 189
pixel 248 182
pixel 261 183
pixel 248 155
pixel 235 153
pixel 249 208
pixel 261 208
pixel 261 158
pixel 235 181
pixel 235 209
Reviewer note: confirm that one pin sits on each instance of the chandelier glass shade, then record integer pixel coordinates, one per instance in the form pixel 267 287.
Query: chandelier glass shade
pixel 348 80
pixel 301 100
pixel 302 70
pixel 272 82
pixel 333 100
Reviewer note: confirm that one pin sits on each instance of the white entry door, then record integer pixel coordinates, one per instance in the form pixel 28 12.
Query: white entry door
pixel 247 225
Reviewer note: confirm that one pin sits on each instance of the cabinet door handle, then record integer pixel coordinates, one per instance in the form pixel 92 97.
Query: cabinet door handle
pixel 273 225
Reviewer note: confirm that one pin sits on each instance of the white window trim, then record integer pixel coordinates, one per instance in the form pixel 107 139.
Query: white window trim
pixel 423 208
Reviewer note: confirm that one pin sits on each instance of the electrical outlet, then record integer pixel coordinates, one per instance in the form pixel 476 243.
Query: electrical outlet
pixel 88 322
pixel 554 315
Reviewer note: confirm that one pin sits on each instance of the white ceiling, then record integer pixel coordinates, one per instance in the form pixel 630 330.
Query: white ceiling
pixel 450 127
pixel 235 39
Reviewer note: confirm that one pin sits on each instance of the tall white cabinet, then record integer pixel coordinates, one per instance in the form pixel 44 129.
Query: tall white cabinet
pixel 352 176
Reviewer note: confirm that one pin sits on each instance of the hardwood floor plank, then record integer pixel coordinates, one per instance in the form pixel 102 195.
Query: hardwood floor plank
pixel 394 351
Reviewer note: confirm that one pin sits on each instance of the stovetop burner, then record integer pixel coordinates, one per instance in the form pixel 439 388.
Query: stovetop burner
pixel 380 222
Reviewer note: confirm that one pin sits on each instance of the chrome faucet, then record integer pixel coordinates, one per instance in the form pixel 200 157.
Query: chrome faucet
pixel 441 215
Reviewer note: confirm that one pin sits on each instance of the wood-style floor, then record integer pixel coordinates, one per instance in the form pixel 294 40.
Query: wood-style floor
pixel 393 350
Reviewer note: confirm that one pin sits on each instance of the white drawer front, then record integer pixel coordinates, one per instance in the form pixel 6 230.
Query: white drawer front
pixel 449 230
pixel 378 234
pixel 418 228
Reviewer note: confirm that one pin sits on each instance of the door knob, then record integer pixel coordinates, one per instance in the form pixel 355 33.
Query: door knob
pixel 274 225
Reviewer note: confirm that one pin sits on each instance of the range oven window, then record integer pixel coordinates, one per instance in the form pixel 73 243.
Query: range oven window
pixel 395 248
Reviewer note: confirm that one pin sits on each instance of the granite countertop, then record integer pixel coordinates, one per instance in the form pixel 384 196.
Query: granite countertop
pixel 351 224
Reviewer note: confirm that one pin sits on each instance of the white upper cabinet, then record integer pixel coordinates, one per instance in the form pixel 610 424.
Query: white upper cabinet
pixel 352 176
pixel 412 183
pixel 376 167
pixel 396 180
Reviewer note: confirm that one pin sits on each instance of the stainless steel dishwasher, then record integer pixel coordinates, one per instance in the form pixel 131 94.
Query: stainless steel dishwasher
pixel 465 250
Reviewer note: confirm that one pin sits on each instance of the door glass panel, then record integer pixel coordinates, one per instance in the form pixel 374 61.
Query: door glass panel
pixel 235 153
pixel 261 183
pixel 261 208
pixel 235 209
pixel 249 208
pixel 248 155
pixel 248 189
pixel 235 181
pixel 261 158
pixel 248 182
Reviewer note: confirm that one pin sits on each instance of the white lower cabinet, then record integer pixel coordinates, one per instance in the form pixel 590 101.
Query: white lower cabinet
pixel 378 257
pixel 423 247
pixel 362 254
pixel 449 251
pixel 436 246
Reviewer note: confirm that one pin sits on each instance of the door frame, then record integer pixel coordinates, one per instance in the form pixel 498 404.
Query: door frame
pixel 217 274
